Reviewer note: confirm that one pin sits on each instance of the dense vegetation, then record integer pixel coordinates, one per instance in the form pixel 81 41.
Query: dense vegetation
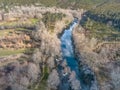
pixel 100 30
pixel 110 12
pixel 103 23
pixel 50 19
pixel 59 3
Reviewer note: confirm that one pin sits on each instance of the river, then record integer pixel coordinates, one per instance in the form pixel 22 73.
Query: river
pixel 68 55
pixel 67 48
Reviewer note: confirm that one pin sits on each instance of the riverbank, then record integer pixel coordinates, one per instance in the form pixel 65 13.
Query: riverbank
pixel 103 60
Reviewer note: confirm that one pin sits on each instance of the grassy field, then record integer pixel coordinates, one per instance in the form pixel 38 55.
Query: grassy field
pixel 28 23
pixel 6 52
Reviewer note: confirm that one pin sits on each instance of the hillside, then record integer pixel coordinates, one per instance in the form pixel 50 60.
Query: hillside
pixel 74 4
pixel 97 43
pixel 103 23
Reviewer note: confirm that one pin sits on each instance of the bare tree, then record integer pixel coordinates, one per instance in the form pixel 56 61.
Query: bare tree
pixel 17 87
pixel 115 75
pixel 37 56
pixel 53 79
pixel 51 62
pixel 33 72
pixel 24 81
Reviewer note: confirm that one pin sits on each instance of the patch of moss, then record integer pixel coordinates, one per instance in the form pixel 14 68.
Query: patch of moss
pixel 33 20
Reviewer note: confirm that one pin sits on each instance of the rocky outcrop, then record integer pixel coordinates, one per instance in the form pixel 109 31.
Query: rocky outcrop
pixel 103 61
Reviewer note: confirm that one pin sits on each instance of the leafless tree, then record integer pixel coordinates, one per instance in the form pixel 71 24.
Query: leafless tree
pixel 37 56
pixel 53 79
pixel 51 62
pixel 115 75
pixel 33 72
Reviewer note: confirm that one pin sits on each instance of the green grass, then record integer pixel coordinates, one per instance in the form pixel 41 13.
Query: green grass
pixel 31 21
pixel 7 23
pixel 46 74
pixel 43 82
pixel 21 59
pixel 22 29
pixel 7 52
